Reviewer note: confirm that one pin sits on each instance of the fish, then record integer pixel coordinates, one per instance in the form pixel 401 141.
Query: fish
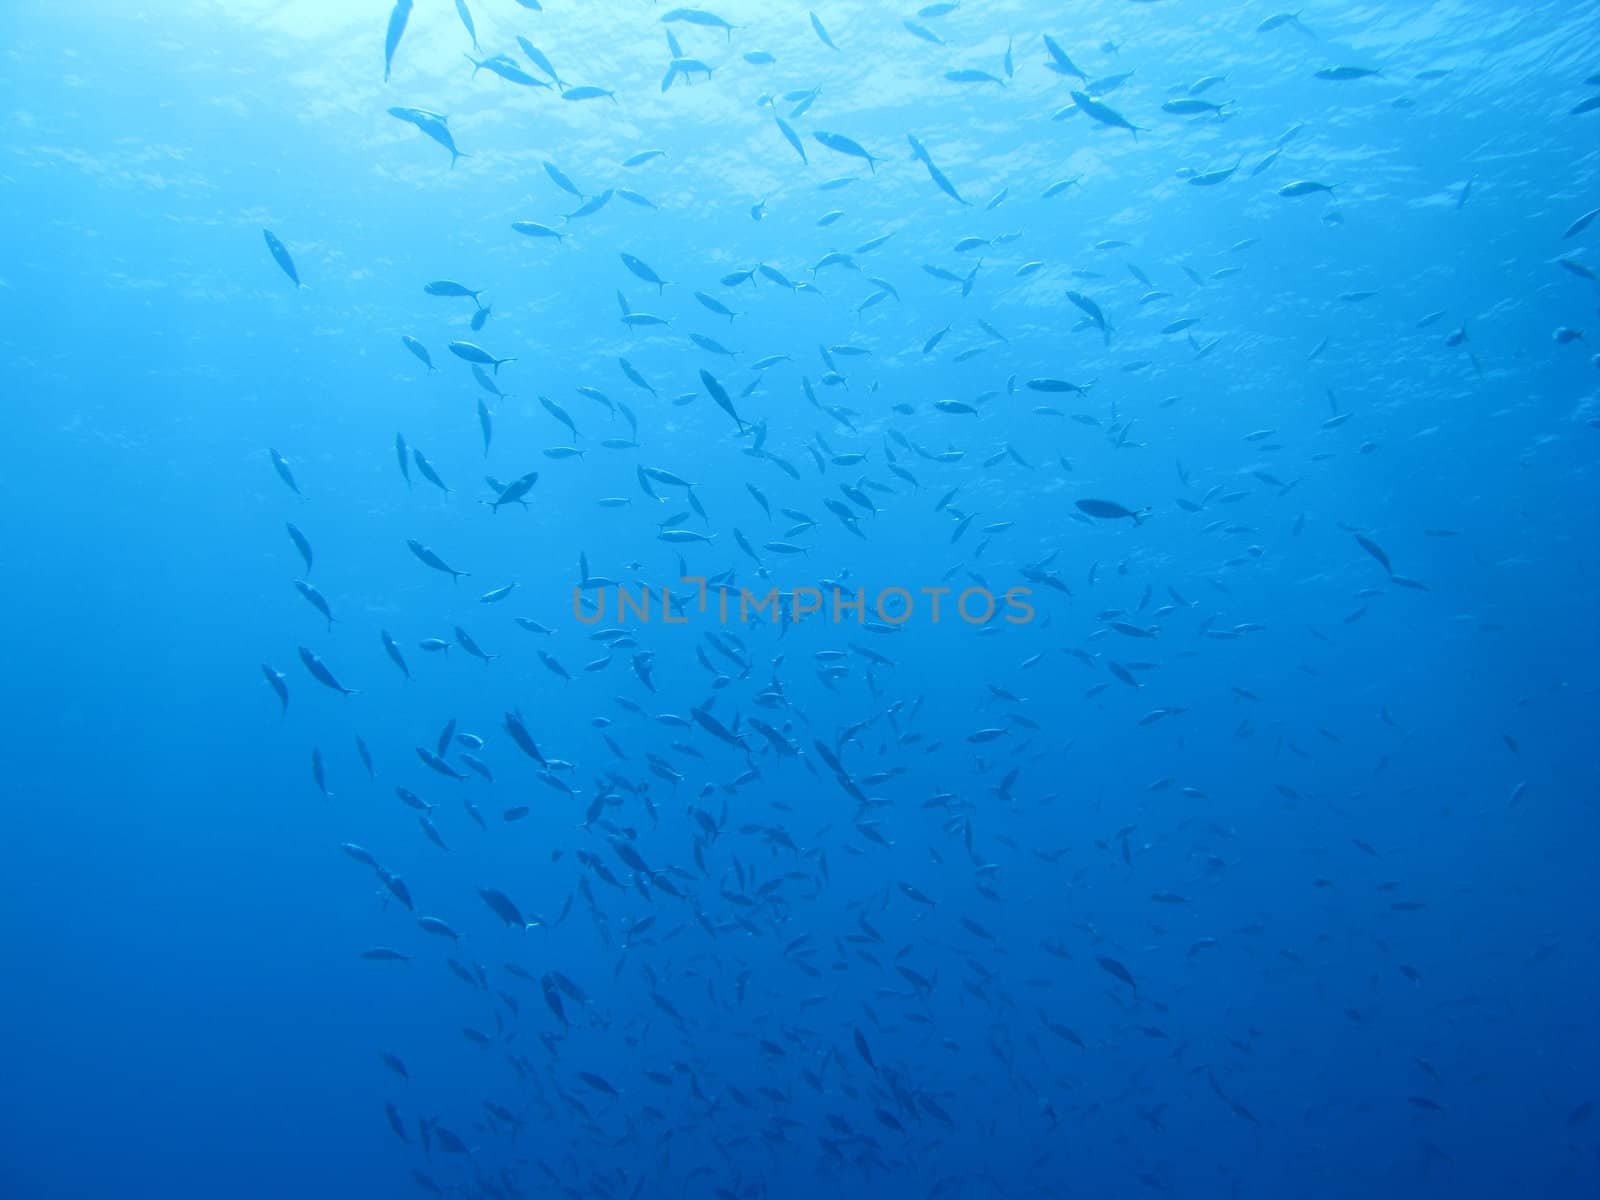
pixel 485 425
pixel 515 492
pixel 417 349
pixel 840 144
pixel 644 271
pixel 1116 970
pixel 1280 21
pixel 301 543
pixel 1304 187
pixel 427 470
pixel 791 137
pixel 429 559
pixel 1581 223
pixel 1093 312
pixel 469 352
pixel 392 649
pixel 502 906
pixel 1104 114
pixel 449 287
pixel 1189 106
pixel 506 68
pixel 403 453
pixel 1212 178
pixel 280 255
pixel 822 34
pixel 1376 551
pixel 319 671
pixel 280 687
pixel 1342 74
pixel 972 75
pixel 466 642
pixel 590 206
pixel 698 16
pixel 435 125
pixel 539 59
pixel 316 600
pixel 720 396
pixel 1110 510
pixel 280 466
pixel 398 17
pixel 1060 62
pixel 465 14
pixel 588 92
pixel 919 151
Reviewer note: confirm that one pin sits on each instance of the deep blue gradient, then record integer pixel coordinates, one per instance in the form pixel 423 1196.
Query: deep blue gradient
pixel 1341 834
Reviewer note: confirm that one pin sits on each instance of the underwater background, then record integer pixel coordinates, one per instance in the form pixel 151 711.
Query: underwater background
pixel 1259 349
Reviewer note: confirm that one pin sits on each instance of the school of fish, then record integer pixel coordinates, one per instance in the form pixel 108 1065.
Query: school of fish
pixel 738 907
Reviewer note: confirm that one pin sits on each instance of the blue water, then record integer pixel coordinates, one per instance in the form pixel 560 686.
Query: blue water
pixel 1258 862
